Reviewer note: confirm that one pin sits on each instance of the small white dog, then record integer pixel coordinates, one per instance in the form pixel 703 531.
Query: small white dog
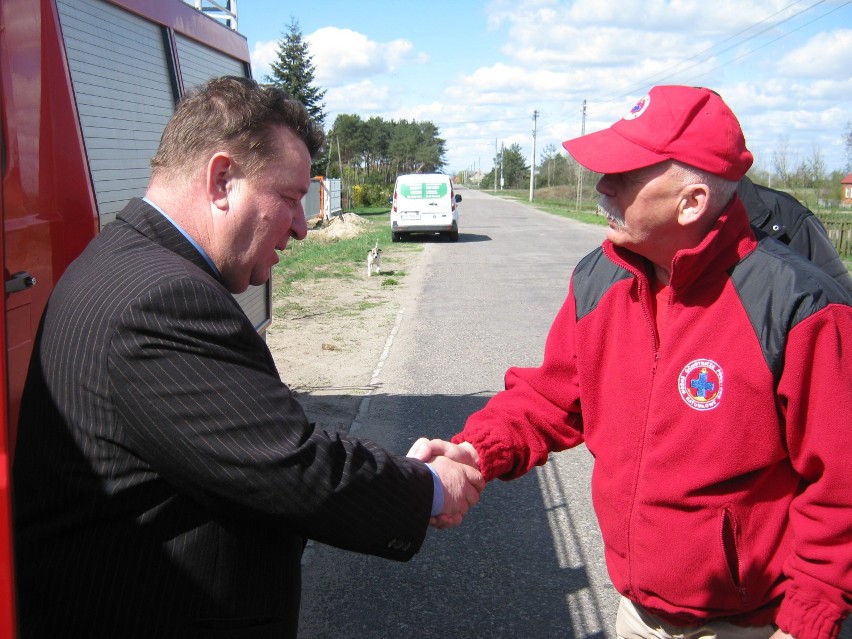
pixel 374 259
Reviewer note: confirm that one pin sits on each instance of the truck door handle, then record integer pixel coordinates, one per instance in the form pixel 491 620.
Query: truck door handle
pixel 20 282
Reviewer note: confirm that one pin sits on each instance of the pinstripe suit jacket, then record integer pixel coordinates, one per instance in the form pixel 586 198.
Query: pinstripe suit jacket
pixel 165 479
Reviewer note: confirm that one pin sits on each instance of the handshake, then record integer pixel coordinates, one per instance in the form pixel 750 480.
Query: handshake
pixel 457 467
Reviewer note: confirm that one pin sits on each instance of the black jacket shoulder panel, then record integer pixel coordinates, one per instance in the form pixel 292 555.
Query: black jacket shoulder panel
pixel 593 277
pixel 778 289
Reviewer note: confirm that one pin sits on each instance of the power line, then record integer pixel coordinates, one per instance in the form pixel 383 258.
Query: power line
pixel 664 75
pixel 483 121
pixel 673 70
pixel 679 68
pixel 748 53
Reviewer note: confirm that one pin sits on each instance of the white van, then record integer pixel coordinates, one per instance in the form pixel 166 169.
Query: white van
pixel 424 203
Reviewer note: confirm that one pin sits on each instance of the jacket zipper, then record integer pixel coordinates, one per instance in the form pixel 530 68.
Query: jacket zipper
pixel 645 302
pixel 652 325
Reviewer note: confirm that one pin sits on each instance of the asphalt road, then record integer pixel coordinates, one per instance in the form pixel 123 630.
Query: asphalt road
pixel 527 561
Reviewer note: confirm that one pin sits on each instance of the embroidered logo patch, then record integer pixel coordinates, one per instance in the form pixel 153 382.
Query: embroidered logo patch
pixel 639 108
pixel 700 384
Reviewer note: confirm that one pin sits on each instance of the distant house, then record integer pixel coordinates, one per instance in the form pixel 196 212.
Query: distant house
pixel 846 195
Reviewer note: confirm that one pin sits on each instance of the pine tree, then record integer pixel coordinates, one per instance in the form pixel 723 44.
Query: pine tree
pixel 294 71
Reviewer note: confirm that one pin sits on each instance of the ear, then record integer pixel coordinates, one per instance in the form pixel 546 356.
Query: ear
pixel 693 206
pixel 220 171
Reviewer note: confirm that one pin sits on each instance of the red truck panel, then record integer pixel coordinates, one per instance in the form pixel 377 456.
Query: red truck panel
pixel 49 211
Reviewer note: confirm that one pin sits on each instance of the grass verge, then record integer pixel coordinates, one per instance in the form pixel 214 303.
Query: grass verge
pixel 343 258
pixel 557 201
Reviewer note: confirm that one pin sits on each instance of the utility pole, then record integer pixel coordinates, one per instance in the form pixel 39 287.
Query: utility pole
pixel 532 164
pixel 339 159
pixel 502 164
pixel 579 166
pixel 495 165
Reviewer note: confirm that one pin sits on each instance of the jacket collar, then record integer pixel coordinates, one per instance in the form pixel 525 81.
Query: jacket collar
pixel 148 221
pixel 756 208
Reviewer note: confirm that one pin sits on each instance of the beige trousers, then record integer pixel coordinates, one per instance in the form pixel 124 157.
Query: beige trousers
pixel 634 622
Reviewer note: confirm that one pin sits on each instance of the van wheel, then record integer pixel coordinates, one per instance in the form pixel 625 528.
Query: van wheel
pixel 453 236
pixel 396 237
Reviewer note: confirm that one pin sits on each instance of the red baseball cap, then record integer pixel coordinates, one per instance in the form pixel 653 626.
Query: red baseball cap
pixel 688 124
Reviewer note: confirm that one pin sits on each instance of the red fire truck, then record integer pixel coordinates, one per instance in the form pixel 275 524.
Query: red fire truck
pixel 87 88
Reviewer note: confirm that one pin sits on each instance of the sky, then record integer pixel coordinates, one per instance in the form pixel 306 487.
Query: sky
pixel 489 73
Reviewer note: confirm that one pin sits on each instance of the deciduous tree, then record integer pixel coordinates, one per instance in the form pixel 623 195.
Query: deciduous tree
pixel 375 151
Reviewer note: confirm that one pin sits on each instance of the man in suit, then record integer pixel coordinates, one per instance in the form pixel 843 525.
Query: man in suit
pixel 165 479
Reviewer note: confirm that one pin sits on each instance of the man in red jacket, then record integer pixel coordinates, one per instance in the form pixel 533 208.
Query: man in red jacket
pixel 708 373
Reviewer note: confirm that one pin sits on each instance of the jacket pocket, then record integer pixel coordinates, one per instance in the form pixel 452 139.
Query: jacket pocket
pixel 730 547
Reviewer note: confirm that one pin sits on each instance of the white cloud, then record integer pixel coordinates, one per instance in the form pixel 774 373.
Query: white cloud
pixel 556 53
pixel 262 57
pixel 792 118
pixel 824 55
pixel 532 20
pixel 364 98
pixel 343 55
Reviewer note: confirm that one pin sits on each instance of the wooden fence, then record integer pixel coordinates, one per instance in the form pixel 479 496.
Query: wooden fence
pixel 840 233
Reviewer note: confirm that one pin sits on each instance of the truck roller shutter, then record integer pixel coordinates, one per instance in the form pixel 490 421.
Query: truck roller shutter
pixel 199 63
pixel 124 97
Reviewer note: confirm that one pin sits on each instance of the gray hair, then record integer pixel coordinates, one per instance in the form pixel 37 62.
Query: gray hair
pixel 721 190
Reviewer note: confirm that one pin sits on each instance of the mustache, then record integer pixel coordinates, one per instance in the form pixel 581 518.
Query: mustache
pixel 608 208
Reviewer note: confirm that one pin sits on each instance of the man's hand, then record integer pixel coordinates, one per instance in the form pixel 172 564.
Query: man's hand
pixel 449 460
pixel 462 486
pixel 427 449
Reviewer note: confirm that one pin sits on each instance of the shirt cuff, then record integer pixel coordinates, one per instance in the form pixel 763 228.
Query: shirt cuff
pixel 437 494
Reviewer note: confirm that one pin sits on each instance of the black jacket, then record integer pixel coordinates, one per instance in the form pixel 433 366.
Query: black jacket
pixel 783 217
pixel 165 479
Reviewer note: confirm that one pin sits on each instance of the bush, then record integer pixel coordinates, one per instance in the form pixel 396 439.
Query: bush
pixel 365 195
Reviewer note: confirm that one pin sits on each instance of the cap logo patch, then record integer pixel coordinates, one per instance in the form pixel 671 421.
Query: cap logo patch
pixel 638 108
pixel 700 384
